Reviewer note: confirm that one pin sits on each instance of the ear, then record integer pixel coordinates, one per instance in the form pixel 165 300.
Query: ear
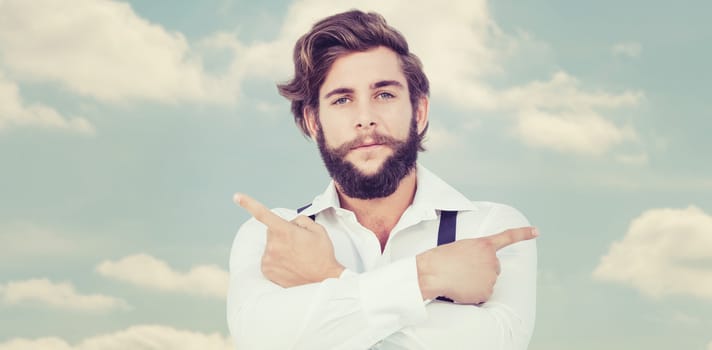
pixel 311 121
pixel 421 113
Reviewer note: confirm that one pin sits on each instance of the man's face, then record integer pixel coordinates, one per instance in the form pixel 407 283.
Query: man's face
pixel 366 128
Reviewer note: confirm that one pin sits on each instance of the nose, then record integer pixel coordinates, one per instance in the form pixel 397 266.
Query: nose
pixel 362 125
pixel 366 117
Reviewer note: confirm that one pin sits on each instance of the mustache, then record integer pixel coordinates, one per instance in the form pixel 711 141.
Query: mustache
pixel 367 139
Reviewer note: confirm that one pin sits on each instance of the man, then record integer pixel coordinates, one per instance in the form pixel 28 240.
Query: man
pixel 368 263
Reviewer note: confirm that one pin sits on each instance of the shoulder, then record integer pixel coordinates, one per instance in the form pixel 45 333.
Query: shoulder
pixel 253 231
pixel 496 217
pixel 252 223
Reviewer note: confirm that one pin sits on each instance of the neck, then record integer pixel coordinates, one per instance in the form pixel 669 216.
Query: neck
pixel 380 215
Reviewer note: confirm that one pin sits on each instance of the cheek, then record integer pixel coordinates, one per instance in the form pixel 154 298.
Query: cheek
pixel 333 136
pixel 399 127
pixel 334 130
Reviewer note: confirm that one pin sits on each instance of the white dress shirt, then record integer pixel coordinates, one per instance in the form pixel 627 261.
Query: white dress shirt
pixel 376 303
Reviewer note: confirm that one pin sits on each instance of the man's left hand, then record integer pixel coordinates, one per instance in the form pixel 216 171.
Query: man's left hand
pixel 297 252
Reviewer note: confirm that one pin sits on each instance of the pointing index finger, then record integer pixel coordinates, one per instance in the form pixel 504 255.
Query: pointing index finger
pixel 511 236
pixel 260 212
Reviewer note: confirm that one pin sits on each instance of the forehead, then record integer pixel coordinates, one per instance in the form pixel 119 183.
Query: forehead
pixel 361 69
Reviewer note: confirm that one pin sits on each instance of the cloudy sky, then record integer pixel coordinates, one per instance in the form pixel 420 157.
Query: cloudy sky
pixel 125 127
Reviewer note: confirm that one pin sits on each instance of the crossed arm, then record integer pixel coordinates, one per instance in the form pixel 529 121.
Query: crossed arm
pixel 295 294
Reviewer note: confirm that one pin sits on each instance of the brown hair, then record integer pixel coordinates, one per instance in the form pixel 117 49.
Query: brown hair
pixel 337 35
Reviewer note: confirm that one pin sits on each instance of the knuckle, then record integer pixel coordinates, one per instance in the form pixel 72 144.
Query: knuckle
pixel 261 213
pixel 271 248
pixel 276 235
pixel 259 216
pixel 483 243
pixel 319 228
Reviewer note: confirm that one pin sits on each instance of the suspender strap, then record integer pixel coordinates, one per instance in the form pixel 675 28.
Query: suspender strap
pixel 313 217
pixel 448 227
pixel 446 233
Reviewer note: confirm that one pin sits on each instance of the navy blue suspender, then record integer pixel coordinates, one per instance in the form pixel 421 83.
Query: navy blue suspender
pixel 446 233
pixel 446 230
pixel 313 217
pixel 448 227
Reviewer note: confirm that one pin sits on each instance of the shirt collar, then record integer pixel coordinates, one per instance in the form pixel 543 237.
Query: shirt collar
pixel 435 194
pixel 432 194
pixel 328 199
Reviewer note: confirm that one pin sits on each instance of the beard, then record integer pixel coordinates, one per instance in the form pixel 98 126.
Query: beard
pixel 385 181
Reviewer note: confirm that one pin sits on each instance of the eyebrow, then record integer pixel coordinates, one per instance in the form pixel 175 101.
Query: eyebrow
pixel 376 85
pixel 339 91
pixel 383 83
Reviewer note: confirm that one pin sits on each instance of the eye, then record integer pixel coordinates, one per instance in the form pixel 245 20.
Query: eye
pixel 385 96
pixel 340 101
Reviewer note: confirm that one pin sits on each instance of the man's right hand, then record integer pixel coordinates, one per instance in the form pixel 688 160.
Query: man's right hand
pixel 296 252
pixel 466 270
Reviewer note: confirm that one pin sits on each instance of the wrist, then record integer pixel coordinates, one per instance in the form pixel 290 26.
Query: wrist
pixel 427 279
pixel 335 271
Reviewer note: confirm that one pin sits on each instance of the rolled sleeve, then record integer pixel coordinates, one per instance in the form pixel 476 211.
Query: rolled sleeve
pixel 391 294
pixel 353 311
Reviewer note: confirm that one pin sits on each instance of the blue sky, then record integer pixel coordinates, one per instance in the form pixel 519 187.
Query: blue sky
pixel 125 127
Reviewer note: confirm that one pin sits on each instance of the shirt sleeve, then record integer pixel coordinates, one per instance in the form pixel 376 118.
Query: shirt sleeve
pixel 504 322
pixel 353 311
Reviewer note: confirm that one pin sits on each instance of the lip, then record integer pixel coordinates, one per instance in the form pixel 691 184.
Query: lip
pixel 367 146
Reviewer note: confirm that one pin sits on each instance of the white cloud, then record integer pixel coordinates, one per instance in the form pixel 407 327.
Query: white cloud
pixel 39 343
pixel 270 108
pixel 57 295
pixel 103 49
pixel 676 318
pixel 665 252
pixel 630 49
pixel 648 181
pixel 633 159
pixel 563 92
pixel 25 240
pixel 559 116
pixel 461 47
pixel 463 29
pixel 114 55
pixel 685 319
pixel 142 337
pixel 14 112
pixel 585 133
pixel 441 139
pixel 146 271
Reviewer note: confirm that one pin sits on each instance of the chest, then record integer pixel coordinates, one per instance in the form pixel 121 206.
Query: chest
pixel 360 249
